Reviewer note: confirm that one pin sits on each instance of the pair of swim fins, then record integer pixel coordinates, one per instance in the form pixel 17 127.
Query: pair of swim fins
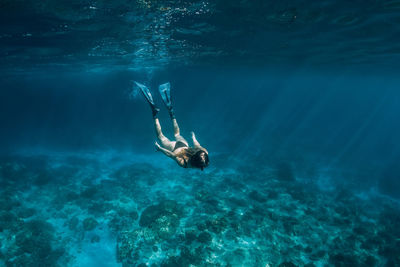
pixel 165 93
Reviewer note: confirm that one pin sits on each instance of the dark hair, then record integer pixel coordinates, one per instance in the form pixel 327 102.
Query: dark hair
pixel 195 158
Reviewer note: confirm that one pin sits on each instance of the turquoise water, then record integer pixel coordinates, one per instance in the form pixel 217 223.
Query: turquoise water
pixel 297 103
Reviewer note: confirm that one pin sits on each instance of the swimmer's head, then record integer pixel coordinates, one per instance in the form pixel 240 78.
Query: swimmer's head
pixel 200 160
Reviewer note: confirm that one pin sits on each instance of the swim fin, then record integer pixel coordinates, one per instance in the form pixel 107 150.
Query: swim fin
pixel 166 97
pixel 147 94
pixel 165 94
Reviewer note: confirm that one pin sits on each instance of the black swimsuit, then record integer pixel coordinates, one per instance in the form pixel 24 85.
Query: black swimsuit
pixel 179 144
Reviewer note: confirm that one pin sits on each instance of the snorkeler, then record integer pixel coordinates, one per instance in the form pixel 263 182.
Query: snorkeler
pixel 179 150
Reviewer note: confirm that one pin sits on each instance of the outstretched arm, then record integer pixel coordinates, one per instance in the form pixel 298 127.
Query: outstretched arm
pixel 165 151
pixel 195 142
pixel 181 161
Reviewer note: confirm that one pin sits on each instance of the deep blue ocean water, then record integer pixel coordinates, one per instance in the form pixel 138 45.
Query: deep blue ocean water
pixel 297 102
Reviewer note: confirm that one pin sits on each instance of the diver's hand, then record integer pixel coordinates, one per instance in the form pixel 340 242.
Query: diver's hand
pixel 158 147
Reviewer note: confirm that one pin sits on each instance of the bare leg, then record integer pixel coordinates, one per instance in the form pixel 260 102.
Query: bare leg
pixel 176 127
pixel 165 94
pixel 166 143
pixel 177 134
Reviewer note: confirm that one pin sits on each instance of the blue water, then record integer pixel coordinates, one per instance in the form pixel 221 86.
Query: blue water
pixel 297 102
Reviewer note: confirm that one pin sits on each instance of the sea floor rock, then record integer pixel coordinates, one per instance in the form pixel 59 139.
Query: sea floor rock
pixel 137 215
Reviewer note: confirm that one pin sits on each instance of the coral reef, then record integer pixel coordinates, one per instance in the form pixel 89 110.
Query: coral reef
pixel 57 211
pixel 89 224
